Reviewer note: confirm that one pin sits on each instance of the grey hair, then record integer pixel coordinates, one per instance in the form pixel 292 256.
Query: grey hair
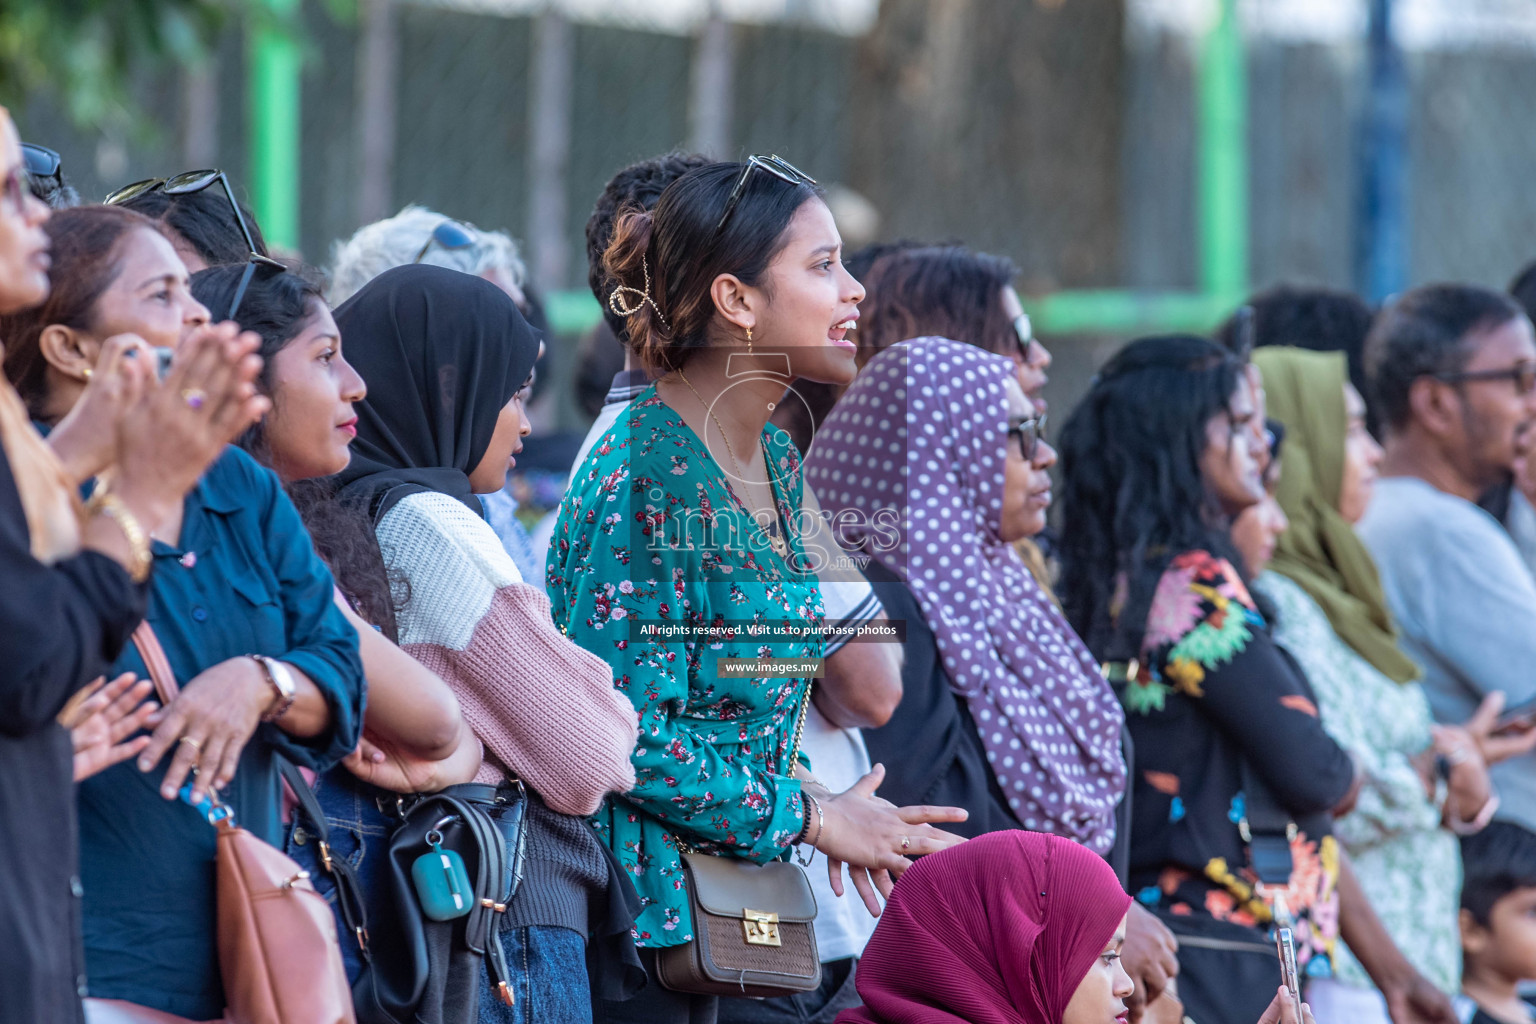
pixel 395 241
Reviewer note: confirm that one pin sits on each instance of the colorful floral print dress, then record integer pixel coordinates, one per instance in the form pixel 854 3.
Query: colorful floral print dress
pixel 657 568
pixel 1212 688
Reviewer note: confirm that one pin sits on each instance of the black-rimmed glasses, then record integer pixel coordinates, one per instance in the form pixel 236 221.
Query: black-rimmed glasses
pixel 1523 374
pixel 1030 433
pixel 195 181
pixel 450 234
pixel 774 165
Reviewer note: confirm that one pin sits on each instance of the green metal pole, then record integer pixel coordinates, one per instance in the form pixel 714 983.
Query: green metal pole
pixel 1222 201
pixel 274 125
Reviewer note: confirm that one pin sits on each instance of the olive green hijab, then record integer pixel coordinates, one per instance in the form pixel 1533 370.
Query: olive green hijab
pixel 1321 551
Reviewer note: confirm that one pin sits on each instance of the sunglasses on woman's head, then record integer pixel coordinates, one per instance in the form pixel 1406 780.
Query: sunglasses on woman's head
pixel 196 181
pixel 1030 432
pixel 41 162
pixel 774 165
pixel 450 234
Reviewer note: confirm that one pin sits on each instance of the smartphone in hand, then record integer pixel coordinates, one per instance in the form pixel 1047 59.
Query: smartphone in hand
pixel 1285 947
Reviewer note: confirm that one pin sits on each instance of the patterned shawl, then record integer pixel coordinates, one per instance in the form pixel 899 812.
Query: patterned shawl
pixel 914 452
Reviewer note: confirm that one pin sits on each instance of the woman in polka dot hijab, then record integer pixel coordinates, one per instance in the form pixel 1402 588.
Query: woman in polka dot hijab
pixel 912 465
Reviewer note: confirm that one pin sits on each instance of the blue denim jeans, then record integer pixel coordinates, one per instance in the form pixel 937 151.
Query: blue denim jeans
pixel 548 965
pixel 359 834
pixel 549 971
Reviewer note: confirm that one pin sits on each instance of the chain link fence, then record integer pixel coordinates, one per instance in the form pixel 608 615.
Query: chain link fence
pixel 1062 133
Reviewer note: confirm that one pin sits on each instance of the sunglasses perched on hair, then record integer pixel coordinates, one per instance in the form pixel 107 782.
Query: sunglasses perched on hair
pixel 1030 432
pixel 42 163
pixel 196 181
pixel 1523 374
pixel 774 165
pixel 450 234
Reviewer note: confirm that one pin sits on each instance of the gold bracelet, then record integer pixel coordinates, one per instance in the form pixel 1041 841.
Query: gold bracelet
pixel 140 555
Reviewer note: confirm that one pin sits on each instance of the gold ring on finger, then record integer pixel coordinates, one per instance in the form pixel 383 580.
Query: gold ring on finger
pixel 194 744
pixel 195 397
pixel 906 843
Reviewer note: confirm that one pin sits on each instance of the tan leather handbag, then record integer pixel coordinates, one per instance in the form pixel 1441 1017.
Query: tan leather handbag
pixel 278 952
pixel 753 931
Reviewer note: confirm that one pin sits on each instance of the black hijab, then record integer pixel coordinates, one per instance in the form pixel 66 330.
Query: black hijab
pixel 442 352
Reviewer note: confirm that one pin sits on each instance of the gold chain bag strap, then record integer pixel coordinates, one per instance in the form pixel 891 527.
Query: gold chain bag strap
pixel 278 952
pixel 753 931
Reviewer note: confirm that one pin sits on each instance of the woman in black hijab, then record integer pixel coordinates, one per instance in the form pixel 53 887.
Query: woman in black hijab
pixel 449 363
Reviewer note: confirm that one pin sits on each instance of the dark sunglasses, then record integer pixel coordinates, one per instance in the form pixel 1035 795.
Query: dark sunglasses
pixel 196 181
pixel 1024 330
pixel 1030 433
pixel 774 165
pixel 450 234
pixel 41 161
pixel 1523 375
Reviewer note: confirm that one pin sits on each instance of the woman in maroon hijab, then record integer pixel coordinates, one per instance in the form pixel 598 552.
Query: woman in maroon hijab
pixel 1008 928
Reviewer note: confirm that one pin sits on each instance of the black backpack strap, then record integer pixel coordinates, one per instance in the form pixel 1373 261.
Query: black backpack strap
pixel 349 892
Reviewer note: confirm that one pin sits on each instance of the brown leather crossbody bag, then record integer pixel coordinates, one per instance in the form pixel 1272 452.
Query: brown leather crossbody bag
pixel 278 951
pixel 753 930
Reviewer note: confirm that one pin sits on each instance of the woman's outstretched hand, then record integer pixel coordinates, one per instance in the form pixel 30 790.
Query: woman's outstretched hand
pixel 102 718
pixel 1283 1010
pixel 873 837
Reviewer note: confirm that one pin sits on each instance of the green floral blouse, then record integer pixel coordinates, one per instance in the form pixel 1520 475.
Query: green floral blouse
pixel 657 568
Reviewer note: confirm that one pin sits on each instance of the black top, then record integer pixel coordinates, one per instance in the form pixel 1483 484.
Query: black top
pixel 1213 689
pixel 60 627
pixel 930 748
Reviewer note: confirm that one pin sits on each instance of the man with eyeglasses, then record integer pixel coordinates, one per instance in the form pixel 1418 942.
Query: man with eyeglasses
pixel 1454 372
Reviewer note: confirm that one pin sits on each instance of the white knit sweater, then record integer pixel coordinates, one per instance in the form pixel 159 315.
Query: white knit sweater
pixel 544 708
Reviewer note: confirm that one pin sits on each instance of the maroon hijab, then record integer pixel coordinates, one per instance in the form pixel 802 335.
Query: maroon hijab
pixel 998 930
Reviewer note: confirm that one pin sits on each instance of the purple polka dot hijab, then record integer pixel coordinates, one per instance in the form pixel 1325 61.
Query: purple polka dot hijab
pixel 916 450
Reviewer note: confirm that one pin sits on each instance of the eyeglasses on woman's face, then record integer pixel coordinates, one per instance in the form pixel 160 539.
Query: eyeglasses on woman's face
pixel 1030 431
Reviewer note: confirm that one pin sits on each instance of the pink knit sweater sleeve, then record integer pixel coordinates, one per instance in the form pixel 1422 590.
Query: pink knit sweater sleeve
pixel 545 708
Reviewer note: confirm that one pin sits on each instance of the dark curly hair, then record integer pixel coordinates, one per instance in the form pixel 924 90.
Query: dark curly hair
pixel 277 306
pixel 638 187
pixel 1133 495
pixel 1424 332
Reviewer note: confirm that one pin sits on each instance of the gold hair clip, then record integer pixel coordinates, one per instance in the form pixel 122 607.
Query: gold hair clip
pixel 616 303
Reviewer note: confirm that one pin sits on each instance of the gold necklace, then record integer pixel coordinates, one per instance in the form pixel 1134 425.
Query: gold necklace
pixel 780 544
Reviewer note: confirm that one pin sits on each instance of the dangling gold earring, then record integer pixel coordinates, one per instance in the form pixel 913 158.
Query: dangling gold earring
pixel 749 341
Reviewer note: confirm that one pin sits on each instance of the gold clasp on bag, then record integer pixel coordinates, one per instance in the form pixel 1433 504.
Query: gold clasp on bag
pixel 762 928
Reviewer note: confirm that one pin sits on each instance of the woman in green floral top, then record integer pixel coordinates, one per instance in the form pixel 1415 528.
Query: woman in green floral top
pixel 677 550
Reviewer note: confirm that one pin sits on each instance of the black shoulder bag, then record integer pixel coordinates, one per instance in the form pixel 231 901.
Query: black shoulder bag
pixel 417 970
